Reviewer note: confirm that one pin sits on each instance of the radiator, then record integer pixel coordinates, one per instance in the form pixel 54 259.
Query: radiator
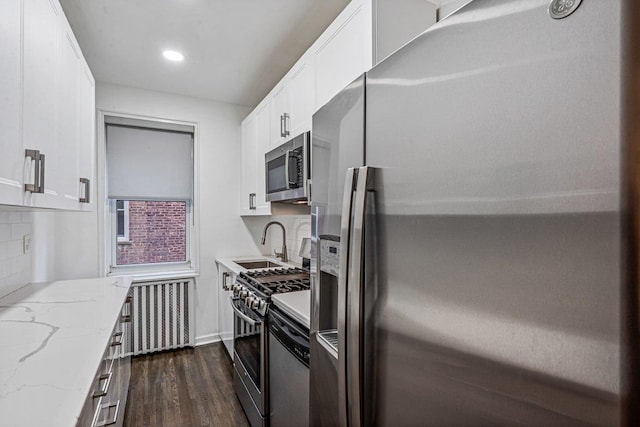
pixel 162 316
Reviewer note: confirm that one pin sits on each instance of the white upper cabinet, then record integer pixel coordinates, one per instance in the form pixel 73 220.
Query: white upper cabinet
pixel 343 51
pixel 86 184
pixel 69 137
pixel 263 128
pixel 41 98
pixel 280 114
pixel 11 160
pixel 255 142
pixel 248 184
pixel 48 111
pixel 364 33
pixel 301 80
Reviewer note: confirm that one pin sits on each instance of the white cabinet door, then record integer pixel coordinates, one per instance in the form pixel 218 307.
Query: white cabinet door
pixel 248 184
pixel 302 95
pixel 12 157
pixel 225 313
pixel 87 139
pixel 263 128
pixel 344 51
pixel 41 80
pixel 280 114
pixel 68 125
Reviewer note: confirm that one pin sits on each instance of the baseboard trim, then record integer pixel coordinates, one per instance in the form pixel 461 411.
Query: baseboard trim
pixel 207 339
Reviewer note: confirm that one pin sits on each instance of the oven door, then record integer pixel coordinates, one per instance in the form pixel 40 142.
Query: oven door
pixel 250 351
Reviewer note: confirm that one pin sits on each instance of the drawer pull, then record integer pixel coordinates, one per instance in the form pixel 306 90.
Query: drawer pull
pixel 128 299
pixel 125 318
pixel 105 389
pixel 117 339
pixel 107 422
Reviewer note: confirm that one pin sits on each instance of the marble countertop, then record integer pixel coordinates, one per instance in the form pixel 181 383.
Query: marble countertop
pixel 53 338
pixel 296 304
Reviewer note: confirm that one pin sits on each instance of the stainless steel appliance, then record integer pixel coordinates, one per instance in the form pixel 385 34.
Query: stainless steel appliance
pixel 467 227
pixel 287 171
pixel 251 299
pixel 288 371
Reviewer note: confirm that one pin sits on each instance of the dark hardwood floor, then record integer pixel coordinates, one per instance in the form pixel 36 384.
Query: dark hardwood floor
pixel 191 387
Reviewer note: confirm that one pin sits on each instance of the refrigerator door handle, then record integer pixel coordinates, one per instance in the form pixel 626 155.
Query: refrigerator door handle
pixel 355 303
pixel 345 229
pixel 350 293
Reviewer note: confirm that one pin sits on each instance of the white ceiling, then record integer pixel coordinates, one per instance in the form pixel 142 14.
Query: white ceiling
pixel 235 50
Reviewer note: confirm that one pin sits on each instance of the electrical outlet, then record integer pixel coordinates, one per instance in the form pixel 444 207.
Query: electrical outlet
pixel 26 243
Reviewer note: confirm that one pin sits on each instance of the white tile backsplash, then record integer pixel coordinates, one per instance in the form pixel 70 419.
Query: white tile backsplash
pixel 297 227
pixel 15 265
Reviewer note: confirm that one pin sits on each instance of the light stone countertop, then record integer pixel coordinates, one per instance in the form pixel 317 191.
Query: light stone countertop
pixel 296 305
pixel 53 338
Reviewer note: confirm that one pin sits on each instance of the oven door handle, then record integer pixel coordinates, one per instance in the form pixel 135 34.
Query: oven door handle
pixel 243 316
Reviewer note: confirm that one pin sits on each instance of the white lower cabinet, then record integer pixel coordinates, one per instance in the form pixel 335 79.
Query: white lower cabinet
pixel 105 404
pixel 47 135
pixel 226 278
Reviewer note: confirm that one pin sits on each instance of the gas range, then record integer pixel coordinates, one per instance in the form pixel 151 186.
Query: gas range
pixel 256 287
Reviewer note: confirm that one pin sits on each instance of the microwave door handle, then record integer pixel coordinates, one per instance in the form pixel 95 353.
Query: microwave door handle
pixel 345 233
pixel 287 156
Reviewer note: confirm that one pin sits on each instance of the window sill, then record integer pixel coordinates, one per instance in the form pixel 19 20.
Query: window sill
pixel 160 275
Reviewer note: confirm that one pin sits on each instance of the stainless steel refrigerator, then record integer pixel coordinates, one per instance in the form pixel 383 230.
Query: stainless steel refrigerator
pixel 466 220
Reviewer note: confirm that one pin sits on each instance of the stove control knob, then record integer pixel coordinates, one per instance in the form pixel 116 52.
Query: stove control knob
pixel 249 301
pixel 244 293
pixel 262 304
pixel 255 303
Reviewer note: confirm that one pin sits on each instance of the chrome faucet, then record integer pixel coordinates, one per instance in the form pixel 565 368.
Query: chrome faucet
pixel 283 255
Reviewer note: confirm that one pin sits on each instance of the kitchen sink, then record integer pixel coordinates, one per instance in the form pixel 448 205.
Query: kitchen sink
pixel 251 265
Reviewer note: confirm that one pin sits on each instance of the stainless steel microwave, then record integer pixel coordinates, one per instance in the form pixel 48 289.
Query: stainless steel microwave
pixel 287 170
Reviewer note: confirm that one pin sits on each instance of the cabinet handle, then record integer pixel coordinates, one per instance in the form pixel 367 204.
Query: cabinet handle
pixel 125 318
pixel 108 406
pixel 286 118
pixel 87 190
pixel 225 275
pixel 281 130
pixel 252 201
pixel 41 184
pixel 38 171
pixel 128 299
pixel 105 389
pixel 115 342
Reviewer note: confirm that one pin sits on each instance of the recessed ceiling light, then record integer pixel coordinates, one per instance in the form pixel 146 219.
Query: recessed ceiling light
pixel 173 55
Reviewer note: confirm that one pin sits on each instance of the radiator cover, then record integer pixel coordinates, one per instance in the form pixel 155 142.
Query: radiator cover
pixel 162 314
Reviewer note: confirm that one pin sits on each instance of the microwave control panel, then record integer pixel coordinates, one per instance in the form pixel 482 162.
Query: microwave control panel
pixel 330 256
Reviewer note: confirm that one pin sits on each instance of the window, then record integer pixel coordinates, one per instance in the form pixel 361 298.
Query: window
pixel 158 232
pixel 150 194
pixel 122 221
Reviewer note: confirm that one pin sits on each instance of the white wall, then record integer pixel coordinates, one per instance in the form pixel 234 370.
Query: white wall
pixel 15 265
pixel 222 231
pixel 448 6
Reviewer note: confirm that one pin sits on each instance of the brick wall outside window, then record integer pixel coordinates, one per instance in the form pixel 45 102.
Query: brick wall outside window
pixel 156 233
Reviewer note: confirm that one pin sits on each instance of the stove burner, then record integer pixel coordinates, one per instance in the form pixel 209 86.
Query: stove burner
pixel 278 280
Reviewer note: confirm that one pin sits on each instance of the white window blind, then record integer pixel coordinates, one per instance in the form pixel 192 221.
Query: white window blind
pixel 148 164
